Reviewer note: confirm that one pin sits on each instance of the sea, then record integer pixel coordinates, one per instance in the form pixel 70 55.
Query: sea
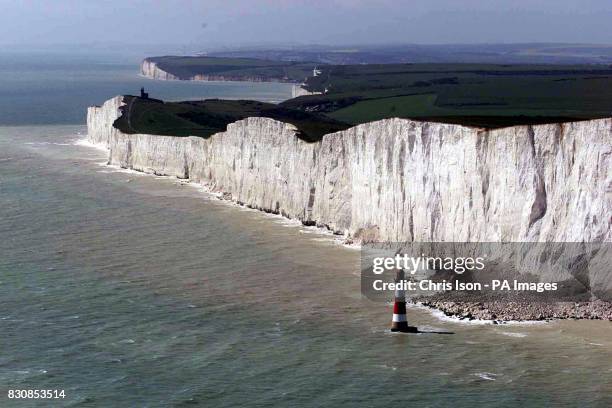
pixel 128 290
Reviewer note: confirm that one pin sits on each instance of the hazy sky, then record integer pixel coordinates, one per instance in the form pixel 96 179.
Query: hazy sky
pixel 213 23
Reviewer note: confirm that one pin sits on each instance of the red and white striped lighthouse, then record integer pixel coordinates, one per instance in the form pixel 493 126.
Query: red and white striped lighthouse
pixel 400 322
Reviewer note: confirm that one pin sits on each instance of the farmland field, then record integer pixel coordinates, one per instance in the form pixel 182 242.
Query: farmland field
pixel 369 92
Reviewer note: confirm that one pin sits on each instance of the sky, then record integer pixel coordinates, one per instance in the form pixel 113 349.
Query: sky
pixel 210 24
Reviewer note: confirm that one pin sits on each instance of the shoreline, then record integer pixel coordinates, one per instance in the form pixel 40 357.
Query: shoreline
pixel 336 239
pixel 150 70
pixel 296 90
pixel 438 313
pixel 500 312
pixel 316 190
pixel 442 316
pixel 443 308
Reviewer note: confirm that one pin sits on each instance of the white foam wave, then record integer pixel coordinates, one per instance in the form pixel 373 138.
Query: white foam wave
pixel 109 168
pixel 87 143
pixel 438 314
pixel 47 144
pixel 514 334
pixel 487 376
pixel 386 367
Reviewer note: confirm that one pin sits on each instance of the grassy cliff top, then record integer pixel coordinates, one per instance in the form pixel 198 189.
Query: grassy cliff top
pixel 207 117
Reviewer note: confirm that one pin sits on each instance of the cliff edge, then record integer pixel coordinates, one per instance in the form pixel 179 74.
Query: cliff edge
pixel 150 69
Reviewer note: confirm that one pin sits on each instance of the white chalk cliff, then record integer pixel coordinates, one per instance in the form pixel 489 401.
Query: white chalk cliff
pixel 397 179
pixel 408 180
pixel 151 70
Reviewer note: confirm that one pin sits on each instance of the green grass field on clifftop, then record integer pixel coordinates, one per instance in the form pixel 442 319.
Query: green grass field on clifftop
pixel 207 117
pixel 480 95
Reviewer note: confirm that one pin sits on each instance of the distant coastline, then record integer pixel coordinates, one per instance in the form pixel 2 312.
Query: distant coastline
pixel 150 69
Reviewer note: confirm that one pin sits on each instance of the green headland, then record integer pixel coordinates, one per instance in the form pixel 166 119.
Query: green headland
pixel 480 95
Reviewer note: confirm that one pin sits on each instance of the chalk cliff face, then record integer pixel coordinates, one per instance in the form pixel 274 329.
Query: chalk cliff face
pixel 151 70
pixel 298 90
pixel 100 120
pixel 397 179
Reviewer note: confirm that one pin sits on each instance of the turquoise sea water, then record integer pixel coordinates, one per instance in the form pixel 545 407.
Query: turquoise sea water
pixel 127 290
